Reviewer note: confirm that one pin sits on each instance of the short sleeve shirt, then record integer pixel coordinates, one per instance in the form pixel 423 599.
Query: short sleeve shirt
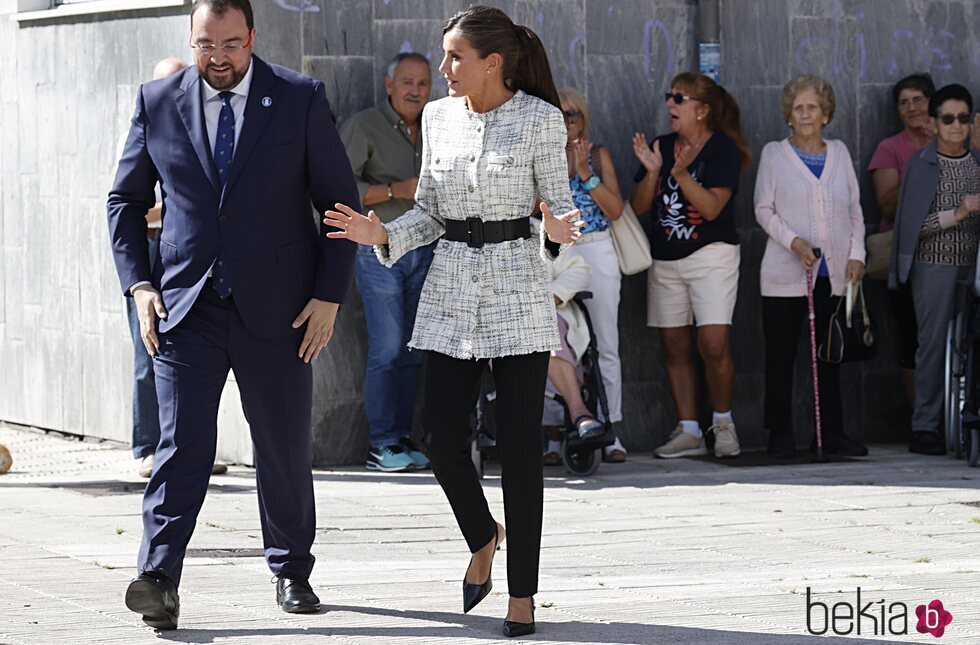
pixel 893 152
pixel 679 229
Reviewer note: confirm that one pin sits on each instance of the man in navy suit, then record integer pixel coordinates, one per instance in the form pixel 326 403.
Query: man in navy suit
pixel 244 281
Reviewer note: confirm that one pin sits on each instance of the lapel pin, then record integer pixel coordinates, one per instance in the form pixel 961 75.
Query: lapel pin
pixel 266 101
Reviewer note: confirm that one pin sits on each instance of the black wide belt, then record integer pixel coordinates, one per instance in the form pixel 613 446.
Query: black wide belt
pixel 475 232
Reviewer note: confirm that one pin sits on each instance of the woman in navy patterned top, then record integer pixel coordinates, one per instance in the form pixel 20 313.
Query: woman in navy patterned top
pixel 595 193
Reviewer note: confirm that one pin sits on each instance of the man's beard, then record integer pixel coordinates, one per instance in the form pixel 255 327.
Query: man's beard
pixel 232 81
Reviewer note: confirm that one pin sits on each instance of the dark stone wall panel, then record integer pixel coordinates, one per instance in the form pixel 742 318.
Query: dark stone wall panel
pixel 752 31
pixel 341 28
pixel 394 36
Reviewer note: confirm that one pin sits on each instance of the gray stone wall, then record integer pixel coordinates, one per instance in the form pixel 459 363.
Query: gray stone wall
pixel 67 94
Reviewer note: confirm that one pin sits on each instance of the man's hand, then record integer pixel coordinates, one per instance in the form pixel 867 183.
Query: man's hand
pixel 319 316
pixel 149 307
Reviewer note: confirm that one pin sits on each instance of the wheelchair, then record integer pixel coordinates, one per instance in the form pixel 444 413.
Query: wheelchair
pixel 580 456
pixel 961 410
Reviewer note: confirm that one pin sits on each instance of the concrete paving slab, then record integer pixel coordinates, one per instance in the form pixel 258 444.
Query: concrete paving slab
pixel 646 552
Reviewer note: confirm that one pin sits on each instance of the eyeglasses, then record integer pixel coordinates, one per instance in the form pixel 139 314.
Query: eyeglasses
pixel 573 116
pixel 948 119
pixel 905 104
pixel 679 98
pixel 209 49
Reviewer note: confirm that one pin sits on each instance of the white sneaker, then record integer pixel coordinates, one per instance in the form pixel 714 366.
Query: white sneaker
pixel 144 466
pixel 681 444
pixel 726 441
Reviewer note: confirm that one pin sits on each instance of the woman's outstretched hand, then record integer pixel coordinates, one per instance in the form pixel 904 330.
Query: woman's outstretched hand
pixel 355 227
pixel 561 229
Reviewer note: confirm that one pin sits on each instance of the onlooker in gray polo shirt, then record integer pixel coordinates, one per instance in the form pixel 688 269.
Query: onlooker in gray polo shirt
pixel 385 149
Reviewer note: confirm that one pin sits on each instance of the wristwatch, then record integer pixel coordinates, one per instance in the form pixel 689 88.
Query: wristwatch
pixel 592 182
pixel 390 194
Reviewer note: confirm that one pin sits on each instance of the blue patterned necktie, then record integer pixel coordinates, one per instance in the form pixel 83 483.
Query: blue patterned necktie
pixel 224 151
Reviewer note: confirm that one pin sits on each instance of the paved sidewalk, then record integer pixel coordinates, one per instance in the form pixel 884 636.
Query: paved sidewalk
pixel 647 552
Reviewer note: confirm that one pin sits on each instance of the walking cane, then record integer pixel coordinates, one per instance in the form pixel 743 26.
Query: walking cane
pixel 813 355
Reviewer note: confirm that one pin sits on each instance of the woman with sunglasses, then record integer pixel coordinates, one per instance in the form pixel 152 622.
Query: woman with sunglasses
pixel 937 225
pixel 595 193
pixel 806 198
pixel 688 179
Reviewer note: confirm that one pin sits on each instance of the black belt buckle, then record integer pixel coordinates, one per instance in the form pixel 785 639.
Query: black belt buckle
pixel 474 232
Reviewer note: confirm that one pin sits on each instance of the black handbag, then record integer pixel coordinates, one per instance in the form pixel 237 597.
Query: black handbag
pixel 850 334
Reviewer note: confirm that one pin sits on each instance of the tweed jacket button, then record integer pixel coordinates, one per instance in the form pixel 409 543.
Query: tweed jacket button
pixel 479 128
pixel 475 278
pixel 471 188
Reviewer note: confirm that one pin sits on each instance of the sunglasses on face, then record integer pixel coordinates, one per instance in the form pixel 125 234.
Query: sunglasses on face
pixel 572 116
pixel 679 97
pixel 948 119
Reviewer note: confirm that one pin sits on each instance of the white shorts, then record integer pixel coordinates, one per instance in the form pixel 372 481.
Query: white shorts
pixel 701 287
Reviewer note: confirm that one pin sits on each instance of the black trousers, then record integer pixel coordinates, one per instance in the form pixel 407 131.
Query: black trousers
pixel 783 320
pixel 452 387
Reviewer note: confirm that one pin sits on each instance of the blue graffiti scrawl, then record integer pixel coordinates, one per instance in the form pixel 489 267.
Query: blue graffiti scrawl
pixel 303 6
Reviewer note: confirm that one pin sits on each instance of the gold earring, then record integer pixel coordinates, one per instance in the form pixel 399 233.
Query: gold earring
pixel 488 70
pixel 699 118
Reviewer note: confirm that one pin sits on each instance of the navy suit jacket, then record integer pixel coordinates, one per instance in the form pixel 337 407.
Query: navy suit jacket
pixel 288 156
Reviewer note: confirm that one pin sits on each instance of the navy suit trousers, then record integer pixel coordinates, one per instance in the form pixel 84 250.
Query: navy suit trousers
pixel 276 389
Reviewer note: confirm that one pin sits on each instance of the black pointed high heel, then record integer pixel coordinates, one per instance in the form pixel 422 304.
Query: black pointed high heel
pixel 513 630
pixel 473 593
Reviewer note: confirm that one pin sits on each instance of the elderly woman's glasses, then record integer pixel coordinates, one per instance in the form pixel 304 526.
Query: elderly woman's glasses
pixel 679 97
pixel 948 119
pixel 572 116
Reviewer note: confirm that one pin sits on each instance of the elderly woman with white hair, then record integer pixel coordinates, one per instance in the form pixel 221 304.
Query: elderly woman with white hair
pixel 806 198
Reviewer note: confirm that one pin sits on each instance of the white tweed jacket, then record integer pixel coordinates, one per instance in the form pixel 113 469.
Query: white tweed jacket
pixel 495 300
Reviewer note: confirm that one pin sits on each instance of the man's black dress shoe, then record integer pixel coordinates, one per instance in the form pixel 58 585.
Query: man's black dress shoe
pixel 513 630
pixel 927 443
pixel 154 595
pixel 295 596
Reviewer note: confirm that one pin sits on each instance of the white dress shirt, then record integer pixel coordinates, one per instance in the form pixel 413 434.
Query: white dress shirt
pixel 212 110
pixel 212 106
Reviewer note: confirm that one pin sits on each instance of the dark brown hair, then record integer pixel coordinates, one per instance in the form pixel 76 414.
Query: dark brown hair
pixel 723 111
pixel 220 7
pixel 920 81
pixel 526 67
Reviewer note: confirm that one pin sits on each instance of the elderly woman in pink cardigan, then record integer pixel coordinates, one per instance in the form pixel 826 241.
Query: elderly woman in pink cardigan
pixel 806 198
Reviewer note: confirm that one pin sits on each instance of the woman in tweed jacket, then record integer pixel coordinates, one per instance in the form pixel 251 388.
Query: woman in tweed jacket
pixel 491 148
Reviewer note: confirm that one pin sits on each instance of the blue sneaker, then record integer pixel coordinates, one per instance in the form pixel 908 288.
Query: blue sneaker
pixel 412 450
pixel 389 459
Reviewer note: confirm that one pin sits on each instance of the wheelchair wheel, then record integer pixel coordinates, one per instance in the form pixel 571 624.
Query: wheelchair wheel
pixel 582 463
pixel 954 386
pixel 974 449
